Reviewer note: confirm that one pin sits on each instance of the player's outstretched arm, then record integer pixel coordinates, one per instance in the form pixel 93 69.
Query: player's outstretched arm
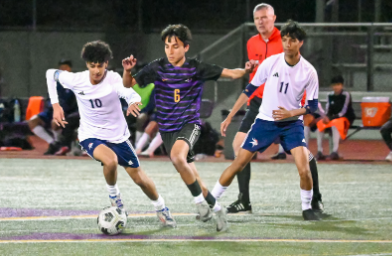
pixel 58 114
pixel 242 99
pixel 238 72
pixel 131 97
pixel 128 63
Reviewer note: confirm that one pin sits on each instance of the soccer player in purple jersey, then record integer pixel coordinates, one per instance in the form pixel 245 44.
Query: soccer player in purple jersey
pixel 179 85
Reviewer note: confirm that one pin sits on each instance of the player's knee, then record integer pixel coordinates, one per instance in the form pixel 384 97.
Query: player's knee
pixel 137 178
pixel 304 172
pixel 110 163
pixel 178 161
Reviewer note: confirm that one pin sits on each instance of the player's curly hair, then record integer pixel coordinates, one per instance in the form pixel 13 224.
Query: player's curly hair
pixel 293 30
pixel 182 32
pixel 96 52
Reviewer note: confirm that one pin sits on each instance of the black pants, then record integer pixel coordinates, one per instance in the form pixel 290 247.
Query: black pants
pixel 386 133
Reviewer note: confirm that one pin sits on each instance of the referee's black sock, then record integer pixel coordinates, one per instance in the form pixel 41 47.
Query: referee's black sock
pixel 314 171
pixel 195 188
pixel 210 200
pixel 243 183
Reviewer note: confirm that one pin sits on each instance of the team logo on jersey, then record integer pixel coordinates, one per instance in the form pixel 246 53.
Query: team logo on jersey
pixel 90 145
pixel 303 140
pixel 254 142
pixel 276 74
pixel 130 162
pixel 81 93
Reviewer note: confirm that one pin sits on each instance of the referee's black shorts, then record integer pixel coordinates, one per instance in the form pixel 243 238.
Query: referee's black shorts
pixel 251 112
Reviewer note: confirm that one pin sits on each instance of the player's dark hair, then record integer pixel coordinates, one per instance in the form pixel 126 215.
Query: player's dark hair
pixel 182 32
pixel 96 52
pixel 337 80
pixel 65 62
pixel 293 30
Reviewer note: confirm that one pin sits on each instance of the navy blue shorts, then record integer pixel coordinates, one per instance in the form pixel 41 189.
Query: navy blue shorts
pixel 125 153
pixel 263 133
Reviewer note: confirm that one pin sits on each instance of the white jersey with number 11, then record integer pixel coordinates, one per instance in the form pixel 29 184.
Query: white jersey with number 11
pixel 285 85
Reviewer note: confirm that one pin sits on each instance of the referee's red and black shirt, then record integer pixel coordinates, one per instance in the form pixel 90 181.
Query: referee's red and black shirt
pixel 259 50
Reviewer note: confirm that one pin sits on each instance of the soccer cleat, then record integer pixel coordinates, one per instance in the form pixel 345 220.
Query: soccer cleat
pixel 334 156
pixel 205 213
pixel 116 201
pixel 317 205
pixel 279 156
pixel 166 218
pixel 389 157
pixel 238 207
pixel 51 149
pixel 319 156
pixel 221 221
pixel 310 215
pixel 63 151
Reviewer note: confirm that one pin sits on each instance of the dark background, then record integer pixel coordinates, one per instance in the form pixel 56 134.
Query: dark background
pixel 152 15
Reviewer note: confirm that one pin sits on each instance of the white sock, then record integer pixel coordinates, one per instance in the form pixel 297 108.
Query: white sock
pixel 217 207
pixel 137 137
pixel 113 190
pixel 306 198
pixel 307 134
pixel 218 190
pixel 159 204
pixel 199 199
pixel 281 150
pixel 335 139
pixel 143 140
pixel 155 143
pixel 56 134
pixel 43 134
pixel 320 136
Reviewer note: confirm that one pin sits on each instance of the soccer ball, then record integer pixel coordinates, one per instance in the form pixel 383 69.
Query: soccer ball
pixel 112 220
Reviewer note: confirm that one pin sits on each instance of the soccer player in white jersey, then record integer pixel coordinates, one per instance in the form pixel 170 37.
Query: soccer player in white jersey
pixel 287 75
pixel 103 131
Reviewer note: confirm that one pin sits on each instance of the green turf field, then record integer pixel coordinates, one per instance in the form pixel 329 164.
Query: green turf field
pixel 49 207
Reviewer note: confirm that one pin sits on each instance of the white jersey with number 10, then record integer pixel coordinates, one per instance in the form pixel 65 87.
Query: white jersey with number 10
pixel 100 110
pixel 285 85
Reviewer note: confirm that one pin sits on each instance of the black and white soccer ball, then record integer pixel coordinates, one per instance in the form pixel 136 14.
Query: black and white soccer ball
pixel 112 220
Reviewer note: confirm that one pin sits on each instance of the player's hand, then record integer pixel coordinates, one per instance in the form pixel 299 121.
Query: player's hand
pixel 224 126
pixel 281 114
pixel 326 120
pixel 134 109
pixel 58 115
pixel 129 63
pixel 250 66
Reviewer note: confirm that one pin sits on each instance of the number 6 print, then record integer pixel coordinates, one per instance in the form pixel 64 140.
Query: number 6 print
pixel 177 95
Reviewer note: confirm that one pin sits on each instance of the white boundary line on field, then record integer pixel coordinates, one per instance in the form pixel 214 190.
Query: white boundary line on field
pixel 195 240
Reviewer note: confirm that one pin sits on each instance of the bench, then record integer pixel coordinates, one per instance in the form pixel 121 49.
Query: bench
pixel 356 104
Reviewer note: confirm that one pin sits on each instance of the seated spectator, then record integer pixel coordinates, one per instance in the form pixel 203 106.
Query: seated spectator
pixel 386 132
pixel 339 115
pixel 42 123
